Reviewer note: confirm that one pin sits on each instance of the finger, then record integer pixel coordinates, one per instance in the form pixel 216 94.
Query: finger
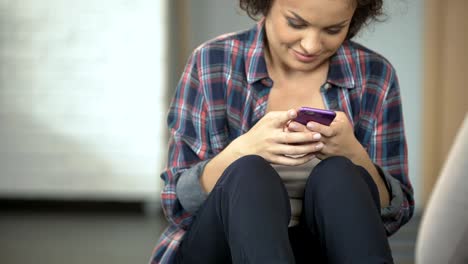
pixel 291 161
pixel 281 118
pixel 299 149
pixel 321 156
pixel 296 127
pixel 319 146
pixel 325 152
pixel 324 130
pixel 322 153
pixel 298 137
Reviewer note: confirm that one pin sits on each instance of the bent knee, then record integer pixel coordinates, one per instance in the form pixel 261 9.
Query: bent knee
pixel 250 160
pixel 334 172
pixel 335 162
pixel 250 169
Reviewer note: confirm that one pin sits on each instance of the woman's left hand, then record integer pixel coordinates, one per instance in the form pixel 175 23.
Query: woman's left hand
pixel 337 139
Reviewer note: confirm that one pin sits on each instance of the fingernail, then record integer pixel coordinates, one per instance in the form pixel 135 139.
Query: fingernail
pixel 319 146
pixel 317 136
pixel 310 125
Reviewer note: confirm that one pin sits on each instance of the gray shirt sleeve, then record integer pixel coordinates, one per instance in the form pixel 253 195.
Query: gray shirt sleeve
pixel 189 190
pixel 395 193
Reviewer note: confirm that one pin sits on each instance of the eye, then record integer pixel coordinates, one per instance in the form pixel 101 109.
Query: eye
pixel 295 24
pixel 333 31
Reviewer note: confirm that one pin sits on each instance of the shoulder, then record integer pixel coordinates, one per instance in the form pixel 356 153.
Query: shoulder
pixel 370 61
pixel 368 70
pixel 216 49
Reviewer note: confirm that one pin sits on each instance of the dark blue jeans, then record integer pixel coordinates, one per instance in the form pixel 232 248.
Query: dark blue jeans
pixel 245 218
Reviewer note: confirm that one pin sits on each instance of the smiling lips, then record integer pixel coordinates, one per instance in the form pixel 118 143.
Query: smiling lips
pixel 304 58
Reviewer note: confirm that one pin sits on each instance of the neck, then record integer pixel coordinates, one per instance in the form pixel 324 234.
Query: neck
pixel 276 68
pixel 280 71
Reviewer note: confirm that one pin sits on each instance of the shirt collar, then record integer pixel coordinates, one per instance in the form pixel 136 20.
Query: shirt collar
pixel 255 64
pixel 342 69
pixel 340 73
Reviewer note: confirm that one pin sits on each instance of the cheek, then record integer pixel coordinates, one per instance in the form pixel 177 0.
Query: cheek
pixel 285 36
pixel 333 43
pixel 288 38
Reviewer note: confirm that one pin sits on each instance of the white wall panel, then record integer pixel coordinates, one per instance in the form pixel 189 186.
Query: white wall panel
pixel 81 86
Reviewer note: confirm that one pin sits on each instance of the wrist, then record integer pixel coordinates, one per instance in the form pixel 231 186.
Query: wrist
pixel 359 154
pixel 362 159
pixel 236 148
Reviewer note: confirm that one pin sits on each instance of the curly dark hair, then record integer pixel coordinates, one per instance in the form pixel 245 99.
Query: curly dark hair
pixel 366 12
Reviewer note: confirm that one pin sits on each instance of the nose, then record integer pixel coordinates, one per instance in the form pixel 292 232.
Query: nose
pixel 311 42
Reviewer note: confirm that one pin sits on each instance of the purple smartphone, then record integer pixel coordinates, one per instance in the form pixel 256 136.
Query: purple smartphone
pixel 322 116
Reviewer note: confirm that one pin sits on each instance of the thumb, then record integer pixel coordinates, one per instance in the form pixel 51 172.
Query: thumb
pixel 283 117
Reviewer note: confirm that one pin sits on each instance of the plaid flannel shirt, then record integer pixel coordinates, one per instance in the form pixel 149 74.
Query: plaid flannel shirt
pixel 224 91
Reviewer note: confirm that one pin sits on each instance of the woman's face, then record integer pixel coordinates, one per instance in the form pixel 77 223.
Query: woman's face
pixel 302 34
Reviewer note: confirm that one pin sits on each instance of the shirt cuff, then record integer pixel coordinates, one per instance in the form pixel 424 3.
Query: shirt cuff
pixel 391 212
pixel 189 190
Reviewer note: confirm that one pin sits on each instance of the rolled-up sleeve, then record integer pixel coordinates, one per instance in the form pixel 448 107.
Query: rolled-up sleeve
pixel 392 215
pixel 188 146
pixel 189 189
pixel 388 150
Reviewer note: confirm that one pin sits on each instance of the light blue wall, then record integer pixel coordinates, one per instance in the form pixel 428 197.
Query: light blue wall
pixel 398 38
pixel 210 18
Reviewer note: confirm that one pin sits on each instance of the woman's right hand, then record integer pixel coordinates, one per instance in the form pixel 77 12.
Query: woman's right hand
pixel 270 139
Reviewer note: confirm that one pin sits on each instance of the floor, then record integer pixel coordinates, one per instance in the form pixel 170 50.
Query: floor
pixel 114 233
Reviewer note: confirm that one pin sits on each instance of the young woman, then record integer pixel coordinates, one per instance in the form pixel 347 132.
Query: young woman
pixel 247 184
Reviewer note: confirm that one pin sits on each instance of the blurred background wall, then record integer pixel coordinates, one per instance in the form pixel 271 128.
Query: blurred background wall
pixel 81 91
pixel 444 84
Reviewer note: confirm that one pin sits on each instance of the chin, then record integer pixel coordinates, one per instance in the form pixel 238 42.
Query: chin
pixel 304 67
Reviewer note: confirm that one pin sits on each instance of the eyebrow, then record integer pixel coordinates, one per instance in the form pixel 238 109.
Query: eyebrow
pixel 298 17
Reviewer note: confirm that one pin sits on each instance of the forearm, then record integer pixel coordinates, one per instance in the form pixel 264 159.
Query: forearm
pixel 216 167
pixel 361 158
